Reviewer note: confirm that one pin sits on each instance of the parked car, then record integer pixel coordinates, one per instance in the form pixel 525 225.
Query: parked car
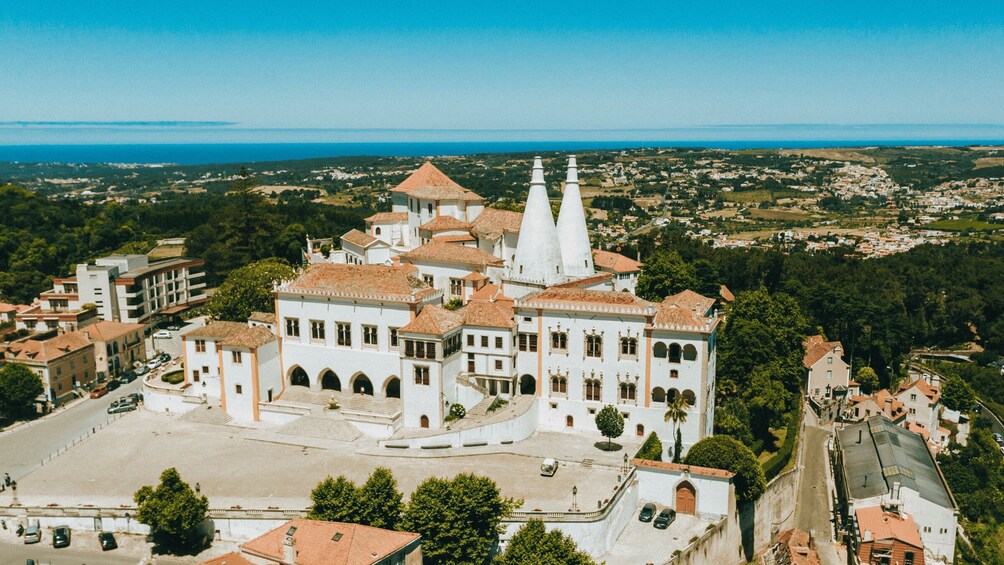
pixel 143 369
pixel 134 397
pixel 153 364
pixel 99 391
pixel 33 534
pixel 162 334
pixel 173 328
pixel 647 512
pixel 61 536
pixel 164 357
pixel 113 384
pixel 665 518
pixel 548 468
pixel 127 377
pixel 107 541
pixel 998 438
pixel 121 407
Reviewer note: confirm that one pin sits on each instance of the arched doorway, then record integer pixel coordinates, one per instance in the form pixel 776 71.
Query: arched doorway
pixel 393 389
pixel 424 421
pixel 330 381
pixel 686 498
pixel 299 377
pixel 640 430
pixel 361 385
pixel 527 385
pixel 569 421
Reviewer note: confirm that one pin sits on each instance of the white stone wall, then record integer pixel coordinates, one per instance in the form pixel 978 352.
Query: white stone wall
pixel 918 408
pixel 240 406
pixel 209 382
pixel 715 496
pixel 423 400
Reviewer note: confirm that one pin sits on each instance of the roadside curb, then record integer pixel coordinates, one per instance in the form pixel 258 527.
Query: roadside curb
pixel 28 423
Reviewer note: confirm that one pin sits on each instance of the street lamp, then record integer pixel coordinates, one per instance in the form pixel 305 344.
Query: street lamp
pixel 625 462
pixel 575 504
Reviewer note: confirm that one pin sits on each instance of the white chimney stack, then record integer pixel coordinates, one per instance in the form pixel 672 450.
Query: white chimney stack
pixel 538 253
pixel 576 252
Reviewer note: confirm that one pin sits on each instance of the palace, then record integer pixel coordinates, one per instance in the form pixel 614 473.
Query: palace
pixel 444 301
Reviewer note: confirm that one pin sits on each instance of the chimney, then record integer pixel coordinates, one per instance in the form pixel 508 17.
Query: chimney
pixel 289 547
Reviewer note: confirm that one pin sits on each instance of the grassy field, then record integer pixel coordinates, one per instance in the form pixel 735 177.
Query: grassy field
pixel 962 225
pixel 761 195
pixel 770 214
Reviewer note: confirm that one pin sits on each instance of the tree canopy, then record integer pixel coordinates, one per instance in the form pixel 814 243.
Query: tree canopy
pixel 19 386
pixel 610 422
pixel 665 273
pixel 868 379
pixel 248 289
pixel 173 510
pixel 724 452
pixel 534 545
pixel 956 394
pixel 335 500
pixel 460 519
pixel 377 503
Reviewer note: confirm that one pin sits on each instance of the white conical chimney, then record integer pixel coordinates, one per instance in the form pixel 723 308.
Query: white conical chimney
pixel 538 254
pixel 576 253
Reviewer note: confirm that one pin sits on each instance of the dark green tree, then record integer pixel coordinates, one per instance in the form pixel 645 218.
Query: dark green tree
pixel 956 394
pixel 868 379
pixel 534 545
pixel 336 500
pixel 173 511
pixel 248 289
pixel 665 273
pixel 460 519
pixel 380 501
pixel 19 386
pixel 610 423
pixel 724 452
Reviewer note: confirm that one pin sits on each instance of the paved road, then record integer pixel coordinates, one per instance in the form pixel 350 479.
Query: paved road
pixel 23 448
pixel 811 509
pixel 48 555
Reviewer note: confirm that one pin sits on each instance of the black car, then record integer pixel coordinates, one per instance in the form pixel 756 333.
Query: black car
pixel 107 541
pixel 665 518
pixel 113 384
pixel 647 513
pixel 164 357
pixel 61 536
pixel 127 377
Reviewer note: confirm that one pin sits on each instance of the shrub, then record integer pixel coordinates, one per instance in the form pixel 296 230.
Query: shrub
pixel 457 411
pixel 499 402
pixel 777 462
pixel 174 377
pixel 651 450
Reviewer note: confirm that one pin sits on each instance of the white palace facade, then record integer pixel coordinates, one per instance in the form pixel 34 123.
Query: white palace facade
pixel 445 301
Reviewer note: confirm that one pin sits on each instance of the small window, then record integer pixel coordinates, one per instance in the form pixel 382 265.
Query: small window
pixel 421 375
pixel 498 364
pixel 498 342
pixel 317 330
pixel 292 327
pixel 629 347
pixel 239 389
pixel 195 376
pixel 393 337
pixel 429 207
pixel 528 342
pixel 376 231
pixel 344 334
pixel 674 374
pixel 205 370
pixel 456 287
pixel 428 280
pixel 484 341
pixel 236 357
pixel 559 341
pixel 370 335
pixel 594 346
pixel 470 340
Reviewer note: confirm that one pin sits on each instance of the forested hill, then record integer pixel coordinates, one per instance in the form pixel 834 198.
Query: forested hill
pixel 42 238
pixel 880 308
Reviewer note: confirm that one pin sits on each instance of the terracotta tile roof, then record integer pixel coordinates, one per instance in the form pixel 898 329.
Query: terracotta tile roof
pixel 474 276
pixel 105 330
pixel 362 281
pixel 388 218
pixel 890 407
pixel 430 183
pixel 216 330
pixel 435 320
pixel 316 543
pixel 491 223
pixel 442 223
pixel 686 309
pixel 799 547
pixel 232 558
pixel 699 305
pixel 579 283
pixel 932 393
pixel 251 337
pixel 886 525
pixel 263 317
pixel 36 351
pixel 359 238
pixel 816 348
pixel 11 308
pixel 667 466
pixel 454 238
pixel 452 253
pixel 489 314
pixel 490 293
pixel 577 298
pixel 918 429
pixel 610 261
pixel 726 294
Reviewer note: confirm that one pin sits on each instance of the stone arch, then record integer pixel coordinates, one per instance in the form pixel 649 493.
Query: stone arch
pixel 686 498
pixel 298 377
pixel 640 429
pixel 675 352
pixel 361 384
pixel 392 389
pixel 330 381
pixel 658 395
pixel 527 385
pixel 659 350
pixel 689 397
pixel 569 421
pixel 689 352
pixel 423 421
pixel 671 394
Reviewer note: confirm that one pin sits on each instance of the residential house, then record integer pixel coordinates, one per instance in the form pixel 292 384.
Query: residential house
pixel 881 403
pixel 922 402
pixel 828 374
pixel 117 346
pixel 625 271
pixel 884 537
pixel 64 363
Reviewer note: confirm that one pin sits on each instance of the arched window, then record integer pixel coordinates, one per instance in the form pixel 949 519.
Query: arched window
pixel 628 391
pixel 658 395
pixel 559 385
pixel 329 381
pixel 689 397
pixel 592 392
pixel 424 421
pixel 594 345
pixel 298 377
pixel 659 350
pixel 671 394
pixel 689 352
pixel 376 231
pixel 674 353
pixel 640 430
pixel 629 347
pixel 569 421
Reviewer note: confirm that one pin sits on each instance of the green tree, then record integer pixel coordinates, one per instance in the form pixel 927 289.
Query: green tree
pixel 336 500
pixel 460 519
pixel 956 394
pixel 724 452
pixel 248 289
pixel 610 423
pixel 676 412
pixel 651 450
pixel 172 510
pixel 768 402
pixel 868 379
pixel 380 501
pixel 665 273
pixel 534 545
pixel 19 386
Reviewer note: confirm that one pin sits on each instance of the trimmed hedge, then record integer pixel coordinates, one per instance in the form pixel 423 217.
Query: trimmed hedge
pixel 651 449
pixel 174 377
pixel 773 466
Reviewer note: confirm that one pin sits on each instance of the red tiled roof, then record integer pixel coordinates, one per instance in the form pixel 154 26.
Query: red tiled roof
pixel 316 543
pixel 610 261
pixel 216 330
pixel 576 296
pixel 452 253
pixel 726 294
pixel 434 320
pixel 232 558
pixel 692 301
pixel 454 238
pixel 932 393
pixel 491 223
pixel 251 337
pixel 693 470
pixel 359 238
pixel 35 351
pixel 104 330
pixel 490 293
pixel 489 314
pixel 886 525
pixel 443 223
pixel 391 283
pixel 430 183
pixel 263 317
pixel 388 218
pixel 816 348
pixel 11 308
pixel 474 276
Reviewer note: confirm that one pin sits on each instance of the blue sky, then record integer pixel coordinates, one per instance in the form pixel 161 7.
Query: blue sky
pixel 503 65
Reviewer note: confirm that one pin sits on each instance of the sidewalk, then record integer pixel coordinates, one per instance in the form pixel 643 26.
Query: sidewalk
pixel 29 423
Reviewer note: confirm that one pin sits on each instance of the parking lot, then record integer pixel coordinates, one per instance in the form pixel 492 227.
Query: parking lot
pixel 641 542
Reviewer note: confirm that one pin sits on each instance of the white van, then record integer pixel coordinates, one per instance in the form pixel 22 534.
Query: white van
pixel 548 467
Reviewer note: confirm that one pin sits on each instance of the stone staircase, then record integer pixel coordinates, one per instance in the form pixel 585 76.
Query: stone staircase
pixel 322 427
pixel 481 408
pixel 207 415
